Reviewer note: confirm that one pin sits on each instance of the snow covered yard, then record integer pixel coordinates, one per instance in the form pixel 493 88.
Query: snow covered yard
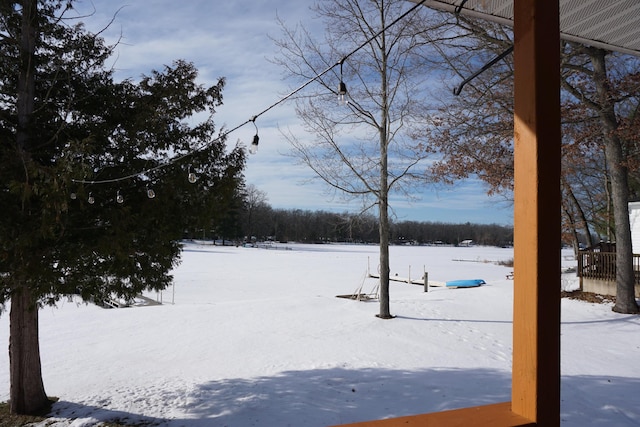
pixel 257 337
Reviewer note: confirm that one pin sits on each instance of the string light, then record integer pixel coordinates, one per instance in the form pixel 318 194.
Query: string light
pixel 119 198
pixel 91 200
pixel 342 87
pixel 254 145
pixel 150 193
pixel 253 149
pixel 192 176
pixel 342 93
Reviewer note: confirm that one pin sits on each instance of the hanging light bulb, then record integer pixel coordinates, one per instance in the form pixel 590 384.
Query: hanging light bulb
pixel 119 198
pixel 253 149
pixel 192 177
pixel 342 93
pixel 150 193
pixel 73 196
pixel 254 145
pixel 91 200
pixel 342 88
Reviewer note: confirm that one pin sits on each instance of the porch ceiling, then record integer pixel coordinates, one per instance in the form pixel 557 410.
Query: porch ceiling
pixel 608 24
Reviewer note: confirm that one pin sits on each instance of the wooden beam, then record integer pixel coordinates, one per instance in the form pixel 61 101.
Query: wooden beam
pixel 496 415
pixel 536 324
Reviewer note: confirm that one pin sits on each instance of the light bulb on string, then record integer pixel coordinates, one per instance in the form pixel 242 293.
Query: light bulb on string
pixel 253 149
pixel 342 93
pixel 73 196
pixel 342 88
pixel 119 198
pixel 150 193
pixel 91 200
pixel 192 176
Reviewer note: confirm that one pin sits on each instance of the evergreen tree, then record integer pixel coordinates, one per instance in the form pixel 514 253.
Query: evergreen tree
pixel 72 141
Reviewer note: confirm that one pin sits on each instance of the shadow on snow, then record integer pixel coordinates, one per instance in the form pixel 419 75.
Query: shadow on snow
pixel 324 397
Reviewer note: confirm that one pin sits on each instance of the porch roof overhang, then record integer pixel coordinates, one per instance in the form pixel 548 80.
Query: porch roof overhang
pixel 609 24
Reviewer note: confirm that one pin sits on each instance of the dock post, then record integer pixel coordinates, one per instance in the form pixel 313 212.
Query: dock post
pixel 426 281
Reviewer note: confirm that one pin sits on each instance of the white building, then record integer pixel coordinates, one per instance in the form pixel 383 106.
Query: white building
pixel 634 220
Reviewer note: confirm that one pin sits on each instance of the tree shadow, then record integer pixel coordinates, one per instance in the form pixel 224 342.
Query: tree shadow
pixel 334 396
pixel 90 415
pixel 323 397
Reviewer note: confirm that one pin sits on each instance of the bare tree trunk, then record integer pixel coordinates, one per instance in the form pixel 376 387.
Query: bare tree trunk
pixel 27 395
pixel 582 218
pixel 383 197
pixel 625 278
pixel 574 229
pixel 383 221
pixel 383 226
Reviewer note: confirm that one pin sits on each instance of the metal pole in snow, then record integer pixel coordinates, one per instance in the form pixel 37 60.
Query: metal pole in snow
pixel 426 279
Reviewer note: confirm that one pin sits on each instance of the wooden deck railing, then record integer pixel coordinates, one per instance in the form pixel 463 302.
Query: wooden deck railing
pixel 602 265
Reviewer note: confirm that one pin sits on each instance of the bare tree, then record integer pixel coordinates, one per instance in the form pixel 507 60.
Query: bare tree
pixel 255 201
pixel 362 147
pixel 474 133
pixel 603 103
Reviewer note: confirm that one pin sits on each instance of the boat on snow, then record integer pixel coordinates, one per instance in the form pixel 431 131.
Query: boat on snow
pixel 466 283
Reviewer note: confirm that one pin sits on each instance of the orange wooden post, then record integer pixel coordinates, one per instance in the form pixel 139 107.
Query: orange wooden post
pixel 535 390
pixel 536 325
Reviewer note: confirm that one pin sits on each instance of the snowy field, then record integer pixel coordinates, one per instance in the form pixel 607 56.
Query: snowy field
pixel 257 337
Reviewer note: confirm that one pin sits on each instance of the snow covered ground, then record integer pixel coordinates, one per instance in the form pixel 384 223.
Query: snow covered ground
pixel 257 337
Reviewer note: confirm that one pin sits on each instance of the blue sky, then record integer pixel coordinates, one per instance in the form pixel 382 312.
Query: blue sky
pixel 231 40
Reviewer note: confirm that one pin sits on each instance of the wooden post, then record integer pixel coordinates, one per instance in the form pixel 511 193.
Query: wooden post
pixel 536 324
pixel 535 390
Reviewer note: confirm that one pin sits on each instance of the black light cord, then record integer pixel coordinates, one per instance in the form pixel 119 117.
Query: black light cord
pixel 253 119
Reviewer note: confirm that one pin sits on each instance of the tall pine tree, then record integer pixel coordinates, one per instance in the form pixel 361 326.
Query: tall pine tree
pixel 72 140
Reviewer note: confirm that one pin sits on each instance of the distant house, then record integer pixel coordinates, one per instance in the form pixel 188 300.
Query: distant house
pixel 468 242
pixel 597 265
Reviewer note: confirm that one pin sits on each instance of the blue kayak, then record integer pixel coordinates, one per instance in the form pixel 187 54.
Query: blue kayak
pixel 470 283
